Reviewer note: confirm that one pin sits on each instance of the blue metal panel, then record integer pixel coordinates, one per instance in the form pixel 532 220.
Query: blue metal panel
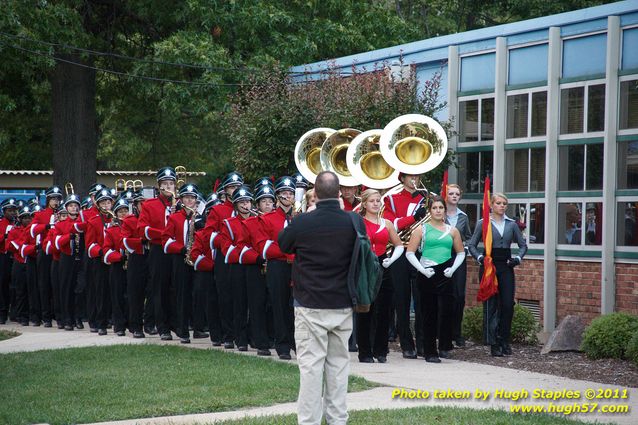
pixel 583 27
pixel 426 72
pixel 629 19
pixel 528 37
pixel 477 46
pixel 478 72
pixel 630 49
pixel 584 56
pixel 528 64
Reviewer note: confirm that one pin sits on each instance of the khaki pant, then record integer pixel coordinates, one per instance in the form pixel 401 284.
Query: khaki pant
pixel 321 336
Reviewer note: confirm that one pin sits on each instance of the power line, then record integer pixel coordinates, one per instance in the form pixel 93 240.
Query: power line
pixel 124 74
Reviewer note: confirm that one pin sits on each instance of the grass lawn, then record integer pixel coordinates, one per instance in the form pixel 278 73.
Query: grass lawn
pixel 8 334
pixel 424 415
pixel 80 385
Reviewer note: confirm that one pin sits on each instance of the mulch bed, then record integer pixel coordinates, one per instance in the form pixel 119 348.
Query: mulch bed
pixel 568 364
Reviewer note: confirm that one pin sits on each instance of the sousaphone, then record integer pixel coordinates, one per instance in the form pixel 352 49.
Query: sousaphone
pixel 367 165
pixel 333 155
pixel 308 152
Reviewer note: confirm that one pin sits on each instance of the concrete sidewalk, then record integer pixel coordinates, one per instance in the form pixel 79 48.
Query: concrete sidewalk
pixel 398 373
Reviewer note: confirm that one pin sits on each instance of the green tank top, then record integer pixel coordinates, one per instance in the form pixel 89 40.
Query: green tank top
pixel 435 244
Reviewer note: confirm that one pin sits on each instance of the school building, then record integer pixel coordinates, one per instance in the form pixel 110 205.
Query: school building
pixel 548 108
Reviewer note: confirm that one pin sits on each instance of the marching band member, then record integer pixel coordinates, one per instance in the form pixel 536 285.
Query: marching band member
pixel 436 240
pixel 232 239
pixel 349 197
pixel 403 209
pixel 9 215
pixel 86 273
pixel 48 245
pixel 67 242
pixel 175 239
pixel 137 284
pixel 114 256
pixel 95 249
pixel 202 258
pixel 29 252
pixel 15 239
pixel 278 275
pixel 222 284
pixel 457 218
pixel 42 222
pixel 498 310
pixel 380 231
pixel 151 223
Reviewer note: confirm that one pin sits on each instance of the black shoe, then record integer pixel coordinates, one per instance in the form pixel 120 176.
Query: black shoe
pixel 460 342
pixel 285 357
pixel 166 337
pixel 420 353
pixel 432 359
pixel 150 330
pixel 217 344
pixel 382 359
pixel 263 352
pixel 366 360
pixel 138 334
pixel 444 354
pixel 68 328
pixel 229 345
pixel 60 325
pixel 102 332
pixel 409 354
pixel 24 323
pixel 93 330
pixel 496 351
pixel 36 323
pixel 185 340
pixel 120 333
pixel 79 324
pixel 200 334
pixel 48 325
pixel 242 348
pixel 507 350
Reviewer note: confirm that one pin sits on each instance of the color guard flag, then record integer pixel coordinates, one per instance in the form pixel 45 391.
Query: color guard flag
pixel 444 186
pixel 489 284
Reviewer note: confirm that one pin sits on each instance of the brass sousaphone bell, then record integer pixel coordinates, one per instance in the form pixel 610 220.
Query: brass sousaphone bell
pixel 413 144
pixel 333 155
pixel 367 165
pixel 308 152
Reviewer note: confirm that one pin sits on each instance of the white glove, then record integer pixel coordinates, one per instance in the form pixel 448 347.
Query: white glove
pixel 398 250
pixel 417 265
pixel 458 260
pixel 429 272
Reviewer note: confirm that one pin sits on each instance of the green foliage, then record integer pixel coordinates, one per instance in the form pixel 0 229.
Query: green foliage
pixel 524 326
pixel 607 335
pixel 632 349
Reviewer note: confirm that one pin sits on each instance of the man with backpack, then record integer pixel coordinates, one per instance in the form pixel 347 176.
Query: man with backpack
pixel 323 242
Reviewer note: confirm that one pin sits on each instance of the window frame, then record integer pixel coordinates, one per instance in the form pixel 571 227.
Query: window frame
pixel 480 170
pixel 585 84
pixel 617 247
pixel 627 131
pixel 480 98
pixel 583 201
pixel 528 212
pixel 529 137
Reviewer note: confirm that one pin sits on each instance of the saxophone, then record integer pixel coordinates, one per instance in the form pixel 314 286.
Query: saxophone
pixel 191 236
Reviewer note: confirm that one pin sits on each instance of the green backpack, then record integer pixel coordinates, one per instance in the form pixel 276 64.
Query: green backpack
pixel 365 274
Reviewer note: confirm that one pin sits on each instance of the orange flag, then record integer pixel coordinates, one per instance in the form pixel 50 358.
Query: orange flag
pixel 489 284
pixel 444 186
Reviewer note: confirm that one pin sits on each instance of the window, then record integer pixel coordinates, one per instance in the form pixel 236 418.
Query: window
pixel 473 168
pixel 530 218
pixel 477 120
pixel 580 167
pixel 626 229
pixel 629 51
pixel 579 102
pixel 528 64
pixel 576 228
pixel 523 121
pixel 628 165
pixel 525 170
pixel 628 109
pixel 584 56
pixel 477 72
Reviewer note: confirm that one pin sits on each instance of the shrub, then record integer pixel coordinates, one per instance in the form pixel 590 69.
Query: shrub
pixel 524 325
pixel 607 336
pixel 632 349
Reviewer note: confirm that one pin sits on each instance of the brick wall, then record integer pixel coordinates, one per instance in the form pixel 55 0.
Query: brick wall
pixel 627 288
pixel 577 290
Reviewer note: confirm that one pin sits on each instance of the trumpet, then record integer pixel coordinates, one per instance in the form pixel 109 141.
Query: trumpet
pixel 68 188
pixel 104 211
pixel 133 184
pixel 180 170
pixel 254 212
pixel 119 185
